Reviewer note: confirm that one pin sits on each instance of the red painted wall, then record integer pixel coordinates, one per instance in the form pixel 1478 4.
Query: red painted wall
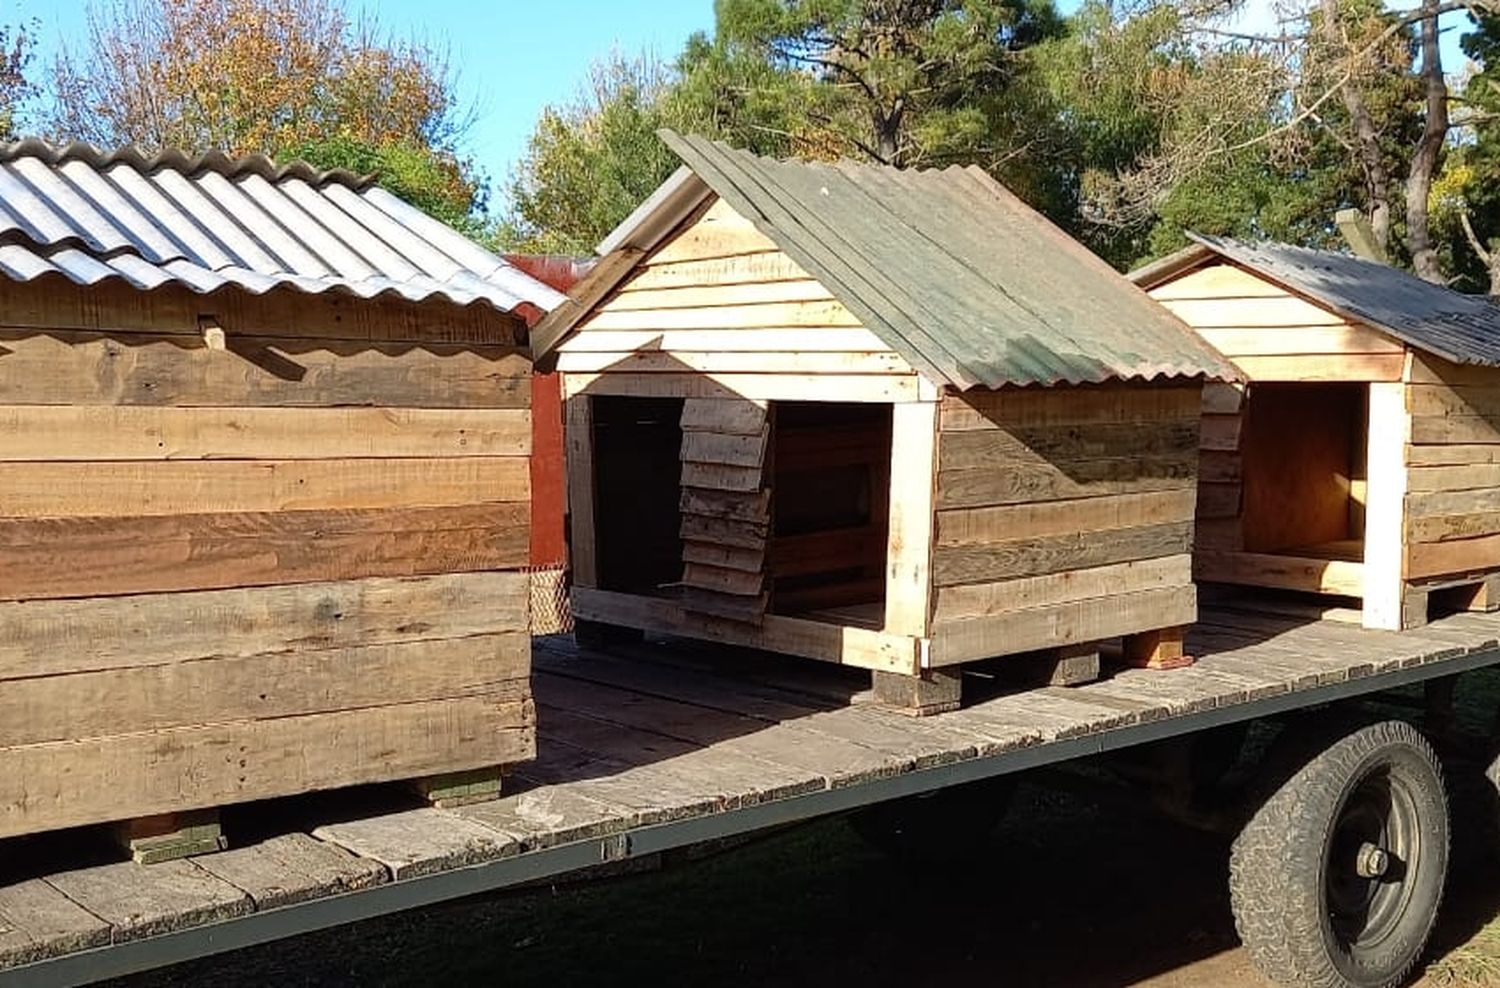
pixel 549 492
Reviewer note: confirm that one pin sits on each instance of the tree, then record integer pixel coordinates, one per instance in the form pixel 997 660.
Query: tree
pixel 16 87
pixel 280 77
pixel 590 162
pixel 906 82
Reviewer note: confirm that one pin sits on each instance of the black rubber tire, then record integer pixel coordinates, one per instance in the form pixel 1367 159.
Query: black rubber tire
pixel 602 637
pixel 1292 864
pixel 938 826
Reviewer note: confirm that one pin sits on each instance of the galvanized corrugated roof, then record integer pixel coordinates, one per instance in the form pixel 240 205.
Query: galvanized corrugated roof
pixel 209 222
pixel 1462 328
pixel 954 272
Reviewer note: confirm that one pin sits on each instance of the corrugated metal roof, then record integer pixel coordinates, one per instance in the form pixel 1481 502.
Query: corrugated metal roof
pixel 954 272
pixel 209 222
pixel 1462 328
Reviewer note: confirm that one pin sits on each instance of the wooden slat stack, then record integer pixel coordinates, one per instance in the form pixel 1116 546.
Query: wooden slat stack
pixel 725 508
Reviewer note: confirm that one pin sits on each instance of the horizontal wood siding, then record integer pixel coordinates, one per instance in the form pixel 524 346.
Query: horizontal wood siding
pixel 1452 513
pixel 718 312
pixel 1055 508
pixel 1274 335
pixel 290 564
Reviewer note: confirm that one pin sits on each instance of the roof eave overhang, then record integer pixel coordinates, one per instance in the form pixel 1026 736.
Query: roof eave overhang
pixel 651 223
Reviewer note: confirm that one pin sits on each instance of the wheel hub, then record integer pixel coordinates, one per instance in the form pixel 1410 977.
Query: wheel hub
pixel 1372 861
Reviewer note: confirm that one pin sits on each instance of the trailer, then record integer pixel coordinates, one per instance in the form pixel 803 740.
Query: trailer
pixel 1335 877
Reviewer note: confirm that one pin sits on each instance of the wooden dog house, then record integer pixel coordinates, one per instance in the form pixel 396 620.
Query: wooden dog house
pixel 891 419
pixel 263 493
pixel 1363 457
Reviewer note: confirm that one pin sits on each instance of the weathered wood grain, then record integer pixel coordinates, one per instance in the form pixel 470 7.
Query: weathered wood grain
pixel 140 902
pixel 48 638
pixel 1062 624
pixel 1001 448
pixel 957 603
pixel 84 368
pixel 1022 482
pixel 62 784
pixel 420 842
pixel 978 526
pixel 89 557
pixel 1012 558
pixel 292 868
pixel 177 487
pixel 279 684
pixel 37 921
pixel 127 432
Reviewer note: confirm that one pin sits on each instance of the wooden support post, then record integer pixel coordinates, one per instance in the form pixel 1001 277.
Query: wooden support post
pixel 935 691
pixel 170 836
pixel 1073 665
pixel 1414 608
pixel 908 579
pixel 478 785
pixel 1159 649
pixel 579 437
pixel 1484 595
pixel 1384 577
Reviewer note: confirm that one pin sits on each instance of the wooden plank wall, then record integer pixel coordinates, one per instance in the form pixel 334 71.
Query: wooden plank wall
pixel 1452 523
pixel 720 311
pixel 1063 515
pixel 228 574
pixel 1273 335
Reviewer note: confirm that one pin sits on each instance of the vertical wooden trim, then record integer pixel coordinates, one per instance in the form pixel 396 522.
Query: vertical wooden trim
pixel 580 441
pixel 1389 434
pixel 908 575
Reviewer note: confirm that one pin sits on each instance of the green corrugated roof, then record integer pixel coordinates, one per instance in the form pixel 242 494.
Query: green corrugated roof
pixel 954 272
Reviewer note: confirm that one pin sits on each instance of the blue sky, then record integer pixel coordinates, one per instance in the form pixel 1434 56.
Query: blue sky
pixel 513 57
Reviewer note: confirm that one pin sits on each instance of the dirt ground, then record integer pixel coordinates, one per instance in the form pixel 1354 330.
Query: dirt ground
pixel 1084 884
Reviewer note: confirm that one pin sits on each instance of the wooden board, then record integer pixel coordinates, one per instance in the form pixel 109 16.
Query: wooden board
pixel 86 432
pixel 90 368
pixel 1061 624
pixel 793 636
pixel 63 784
pixel 48 638
pixel 1025 482
pixel 1012 558
pixel 980 526
pixel 756 387
pixel 57 304
pixel 978 600
pixel 179 487
pixel 1286 572
pixel 171 695
pixel 910 528
pixel 88 557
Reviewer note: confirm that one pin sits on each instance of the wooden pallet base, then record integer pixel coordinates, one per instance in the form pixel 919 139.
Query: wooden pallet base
pixel 1468 593
pixel 478 785
pixel 170 836
pixel 1160 649
pixel 935 691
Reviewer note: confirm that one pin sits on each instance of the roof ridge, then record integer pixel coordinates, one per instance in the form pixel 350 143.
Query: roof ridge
pixel 181 161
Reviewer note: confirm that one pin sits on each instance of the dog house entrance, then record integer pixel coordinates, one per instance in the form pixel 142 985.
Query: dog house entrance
pixel 1303 467
pixel 742 510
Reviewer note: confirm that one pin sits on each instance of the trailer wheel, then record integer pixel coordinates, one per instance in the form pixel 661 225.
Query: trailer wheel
pixel 935 826
pixel 1335 881
pixel 602 637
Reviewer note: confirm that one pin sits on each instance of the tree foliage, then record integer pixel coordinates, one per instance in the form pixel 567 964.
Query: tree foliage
pixel 1128 123
pixel 282 77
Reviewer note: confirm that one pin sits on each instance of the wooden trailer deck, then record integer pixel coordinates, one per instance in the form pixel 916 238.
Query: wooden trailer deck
pixel 673 746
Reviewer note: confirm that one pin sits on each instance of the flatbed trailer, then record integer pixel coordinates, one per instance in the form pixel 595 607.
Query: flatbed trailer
pixel 678 745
